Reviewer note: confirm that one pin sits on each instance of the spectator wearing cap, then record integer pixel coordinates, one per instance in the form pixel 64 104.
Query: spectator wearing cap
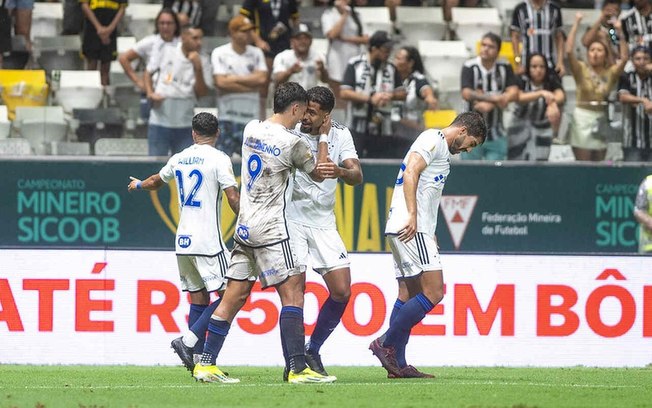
pixel 183 75
pixel 239 72
pixel 300 64
pixel 635 92
pixel 370 85
pixel 274 21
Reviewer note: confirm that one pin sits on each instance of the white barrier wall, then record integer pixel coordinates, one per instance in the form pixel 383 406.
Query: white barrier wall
pixel 124 307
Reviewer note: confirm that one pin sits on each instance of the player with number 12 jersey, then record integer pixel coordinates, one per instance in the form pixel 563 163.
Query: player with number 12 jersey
pixel 201 173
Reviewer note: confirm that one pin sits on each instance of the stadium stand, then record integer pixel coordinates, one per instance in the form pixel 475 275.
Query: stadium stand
pixel 443 59
pixel 374 19
pixel 438 119
pixel 47 19
pixel 91 125
pixel 18 56
pixel 474 22
pixel 78 89
pixel 58 52
pixel 15 147
pixel 69 149
pixel 420 23
pixel 5 124
pixel 123 44
pixel 121 147
pixel 139 18
pixel 40 126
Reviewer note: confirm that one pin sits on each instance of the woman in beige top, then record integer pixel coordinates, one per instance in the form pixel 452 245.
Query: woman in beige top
pixel 594 80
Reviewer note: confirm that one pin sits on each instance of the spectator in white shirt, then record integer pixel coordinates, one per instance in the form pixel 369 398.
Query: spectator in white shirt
pixel 182 74
pixel 300 64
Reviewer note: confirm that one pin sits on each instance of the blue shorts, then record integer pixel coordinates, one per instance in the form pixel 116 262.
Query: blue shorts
pixel 19 4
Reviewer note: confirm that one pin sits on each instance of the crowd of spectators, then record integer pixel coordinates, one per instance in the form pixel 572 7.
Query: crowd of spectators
pixel 381 82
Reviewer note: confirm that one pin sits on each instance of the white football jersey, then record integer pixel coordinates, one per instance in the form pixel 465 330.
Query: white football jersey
pixel 270 153
pixel 432 146
pixel 312 203
pixel 201 172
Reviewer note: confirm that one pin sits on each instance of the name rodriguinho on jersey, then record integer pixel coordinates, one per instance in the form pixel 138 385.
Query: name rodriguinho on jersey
pixel 261 146
pixel 191 160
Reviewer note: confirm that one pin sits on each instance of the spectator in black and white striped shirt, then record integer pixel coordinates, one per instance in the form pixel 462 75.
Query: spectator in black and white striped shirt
pixel 536 27
pixel 637 24
pixel 635 92
pixel 537 114
pixel 488 86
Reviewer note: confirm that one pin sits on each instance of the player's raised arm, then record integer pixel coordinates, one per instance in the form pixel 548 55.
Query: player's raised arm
pixel 153 182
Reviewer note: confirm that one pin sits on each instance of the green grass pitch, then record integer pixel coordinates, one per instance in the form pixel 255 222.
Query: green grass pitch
pixel 130 386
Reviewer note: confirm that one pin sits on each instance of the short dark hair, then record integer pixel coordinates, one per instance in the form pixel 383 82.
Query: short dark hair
pixel 205 124
pixel 166 10
pixel 475 125
pixel 323 96
pixel 641 48
pixel 495 38
pixel 288 93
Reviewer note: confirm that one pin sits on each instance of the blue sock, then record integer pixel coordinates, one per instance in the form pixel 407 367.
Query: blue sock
pixel 329 317
pixel 293 337
pixel 400 349
pixel 217 331
pixel 398 304
pixel 200 325
pixel 410 314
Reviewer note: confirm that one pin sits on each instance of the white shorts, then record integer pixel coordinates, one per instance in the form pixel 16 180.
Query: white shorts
pixel 271 264
pixel 415 256
pixel 203 272
pixel 325 246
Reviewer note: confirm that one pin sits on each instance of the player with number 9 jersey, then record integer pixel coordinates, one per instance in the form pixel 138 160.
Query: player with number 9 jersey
pixel 270 152
pixel 201 173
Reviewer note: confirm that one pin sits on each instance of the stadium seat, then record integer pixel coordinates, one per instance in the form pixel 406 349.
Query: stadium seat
pixel 561 153
pixel 449 92
pixel 40 126
pixel 420 23
pixel 47 19
pixel 311 16
pixel 18 56
pixel 15 147
pixel 121 147
pixel 568 83
pixel 505 8
pixel 91 125
pixel 208 44
pixel 438 119
pixel 443 59
pixel 69 148
pixel 374 19
pixel 58 52
pixel 474 22
pixel 22 88
pixel 140 19
pixel 5 125
pixel 78 89
pixel 123 44
pixel 123 93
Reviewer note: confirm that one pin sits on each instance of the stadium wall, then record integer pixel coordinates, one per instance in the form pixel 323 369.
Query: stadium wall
pixel 124 307
pixel 510 208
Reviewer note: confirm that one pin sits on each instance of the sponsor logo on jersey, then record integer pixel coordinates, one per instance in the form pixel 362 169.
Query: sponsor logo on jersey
pixel 457 212
pixel 243 231
pixel 184 241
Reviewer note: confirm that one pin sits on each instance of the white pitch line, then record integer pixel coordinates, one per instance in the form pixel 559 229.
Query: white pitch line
pixel 397 383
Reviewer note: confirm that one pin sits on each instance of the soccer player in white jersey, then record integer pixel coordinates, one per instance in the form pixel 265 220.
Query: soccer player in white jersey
pixel 410 231
pixel 271 151
pixel 312 220
pixel 201 173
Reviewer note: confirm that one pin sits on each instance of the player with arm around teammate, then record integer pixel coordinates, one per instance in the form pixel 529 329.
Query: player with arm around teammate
pixel 271 151
pixel 311 217
pixel 410 231
pixel 201 173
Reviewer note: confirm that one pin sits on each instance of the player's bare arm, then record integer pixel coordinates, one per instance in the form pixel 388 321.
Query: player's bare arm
pixel 322 146
pixel 233 197
pixel 350 172
pixel 153 182
pixel 415 166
